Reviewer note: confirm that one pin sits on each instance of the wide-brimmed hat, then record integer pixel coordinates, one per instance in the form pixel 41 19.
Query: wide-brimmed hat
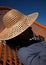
pixel 15 23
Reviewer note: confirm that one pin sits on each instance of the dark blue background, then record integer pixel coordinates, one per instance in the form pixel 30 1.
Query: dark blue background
pixel 28 6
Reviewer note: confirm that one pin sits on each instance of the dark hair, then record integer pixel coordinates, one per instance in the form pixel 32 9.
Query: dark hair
pixel 22 40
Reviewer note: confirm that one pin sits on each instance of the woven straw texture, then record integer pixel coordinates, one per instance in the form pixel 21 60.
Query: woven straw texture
pixel 9 56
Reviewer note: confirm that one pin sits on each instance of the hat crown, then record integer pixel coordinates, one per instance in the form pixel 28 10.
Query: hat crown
pixel 12 17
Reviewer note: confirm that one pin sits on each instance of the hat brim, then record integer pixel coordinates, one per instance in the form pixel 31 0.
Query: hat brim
pixel 14 31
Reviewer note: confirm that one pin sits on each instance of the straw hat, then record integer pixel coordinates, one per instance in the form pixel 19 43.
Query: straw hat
pixel 15 23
